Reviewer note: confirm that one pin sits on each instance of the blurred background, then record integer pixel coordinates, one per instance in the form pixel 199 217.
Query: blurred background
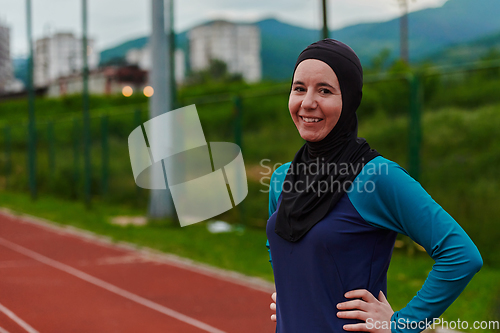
pixel 431 103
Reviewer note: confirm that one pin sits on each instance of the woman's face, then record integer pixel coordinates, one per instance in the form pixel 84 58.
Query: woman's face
pixel 315 101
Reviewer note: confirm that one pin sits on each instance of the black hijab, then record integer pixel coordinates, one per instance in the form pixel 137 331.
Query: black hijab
pixel 323 171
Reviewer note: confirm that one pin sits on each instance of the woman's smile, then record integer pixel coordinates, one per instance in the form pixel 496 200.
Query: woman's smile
pixel 310 120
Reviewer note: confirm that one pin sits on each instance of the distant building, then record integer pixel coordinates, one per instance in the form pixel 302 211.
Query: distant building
pixel 238 45
pixel 142 58
pixel 108 80
pixel 60 55
pixel 6 71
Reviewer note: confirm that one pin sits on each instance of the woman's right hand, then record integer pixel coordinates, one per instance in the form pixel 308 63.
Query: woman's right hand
pixel 273 306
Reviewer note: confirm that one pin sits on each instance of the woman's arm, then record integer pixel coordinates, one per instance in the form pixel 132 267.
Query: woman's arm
pixel 271 210
pixel 275 187
pixel 399 203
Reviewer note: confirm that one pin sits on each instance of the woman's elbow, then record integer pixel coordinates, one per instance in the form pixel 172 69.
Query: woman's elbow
pixel 476 261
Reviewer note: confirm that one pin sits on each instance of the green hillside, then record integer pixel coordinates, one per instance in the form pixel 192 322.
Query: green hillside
pixel 119 51
pixel 457 32
pixel 483 48
pixel 431 30
pixel 460 152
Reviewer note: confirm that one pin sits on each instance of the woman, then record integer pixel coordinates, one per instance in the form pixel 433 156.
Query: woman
pixel 336 209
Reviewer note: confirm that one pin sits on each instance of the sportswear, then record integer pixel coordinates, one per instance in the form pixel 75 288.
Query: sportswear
pixel 351 247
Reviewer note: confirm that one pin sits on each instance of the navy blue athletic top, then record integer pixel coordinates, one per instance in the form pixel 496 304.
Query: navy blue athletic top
pixel 352 246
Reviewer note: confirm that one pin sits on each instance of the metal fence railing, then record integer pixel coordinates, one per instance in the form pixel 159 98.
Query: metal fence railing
pixel 59 142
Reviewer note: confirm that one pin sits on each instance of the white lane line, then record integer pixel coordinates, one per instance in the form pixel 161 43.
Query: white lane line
pixel 18 320
pixel 2 330
pixel 108 286
pixel 170 259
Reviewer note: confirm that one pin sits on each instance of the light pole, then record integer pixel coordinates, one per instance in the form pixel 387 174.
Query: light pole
pixel 31 108
pixel 170 27
pixel 403 32
pixel 160 201
pixel 86 118
pixel 325 20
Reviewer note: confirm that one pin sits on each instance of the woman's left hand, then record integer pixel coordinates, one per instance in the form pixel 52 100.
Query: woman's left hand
pixel 376 313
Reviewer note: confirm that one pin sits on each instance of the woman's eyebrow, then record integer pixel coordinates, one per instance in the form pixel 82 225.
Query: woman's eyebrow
pixel 324 84
pixel 319 84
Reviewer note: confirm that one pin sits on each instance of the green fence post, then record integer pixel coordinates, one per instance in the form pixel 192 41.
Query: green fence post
pixel 86 160
pixel 137 123
pixel 8 156
pixel 31 109
pixel 86 117
pixel 76 155
pixel 51 151
pixel 137 118
pixel 238 139
pixel 104 155
pixel 415 125
pixel 237 120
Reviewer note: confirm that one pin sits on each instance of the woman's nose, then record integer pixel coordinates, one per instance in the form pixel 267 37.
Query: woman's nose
pixel 309 101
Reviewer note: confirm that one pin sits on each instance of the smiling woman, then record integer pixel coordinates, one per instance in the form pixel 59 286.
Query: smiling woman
pixel 331 229
pixel 315 101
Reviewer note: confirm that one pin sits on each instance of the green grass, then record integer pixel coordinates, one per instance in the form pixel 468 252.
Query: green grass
pixel 245 251
pixel 460 154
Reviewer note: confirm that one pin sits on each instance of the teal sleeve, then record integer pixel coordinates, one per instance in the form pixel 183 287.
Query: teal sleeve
pixel 275 187
pixel 387 197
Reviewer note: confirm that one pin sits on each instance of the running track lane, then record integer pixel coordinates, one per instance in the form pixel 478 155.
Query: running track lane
pixel 57 281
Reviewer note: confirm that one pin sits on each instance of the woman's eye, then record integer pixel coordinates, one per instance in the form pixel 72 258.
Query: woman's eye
pixel 325 91
pixel 299 89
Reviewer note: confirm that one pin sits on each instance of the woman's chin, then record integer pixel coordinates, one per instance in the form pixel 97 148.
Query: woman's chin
pixel 311 138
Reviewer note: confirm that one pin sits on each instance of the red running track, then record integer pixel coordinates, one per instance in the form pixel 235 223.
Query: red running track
pixel 57 280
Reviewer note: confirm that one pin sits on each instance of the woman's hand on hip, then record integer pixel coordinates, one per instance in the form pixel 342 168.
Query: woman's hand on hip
pixel 376 313
pixel 273 306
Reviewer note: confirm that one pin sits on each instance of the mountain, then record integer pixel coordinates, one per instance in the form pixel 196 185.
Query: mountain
pixel 20 66
pixel 281 43
pixel 431 31
pixel 118 52
pixel 468 52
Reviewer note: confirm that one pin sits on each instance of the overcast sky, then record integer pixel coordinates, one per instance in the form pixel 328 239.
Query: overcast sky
pixel 114 21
